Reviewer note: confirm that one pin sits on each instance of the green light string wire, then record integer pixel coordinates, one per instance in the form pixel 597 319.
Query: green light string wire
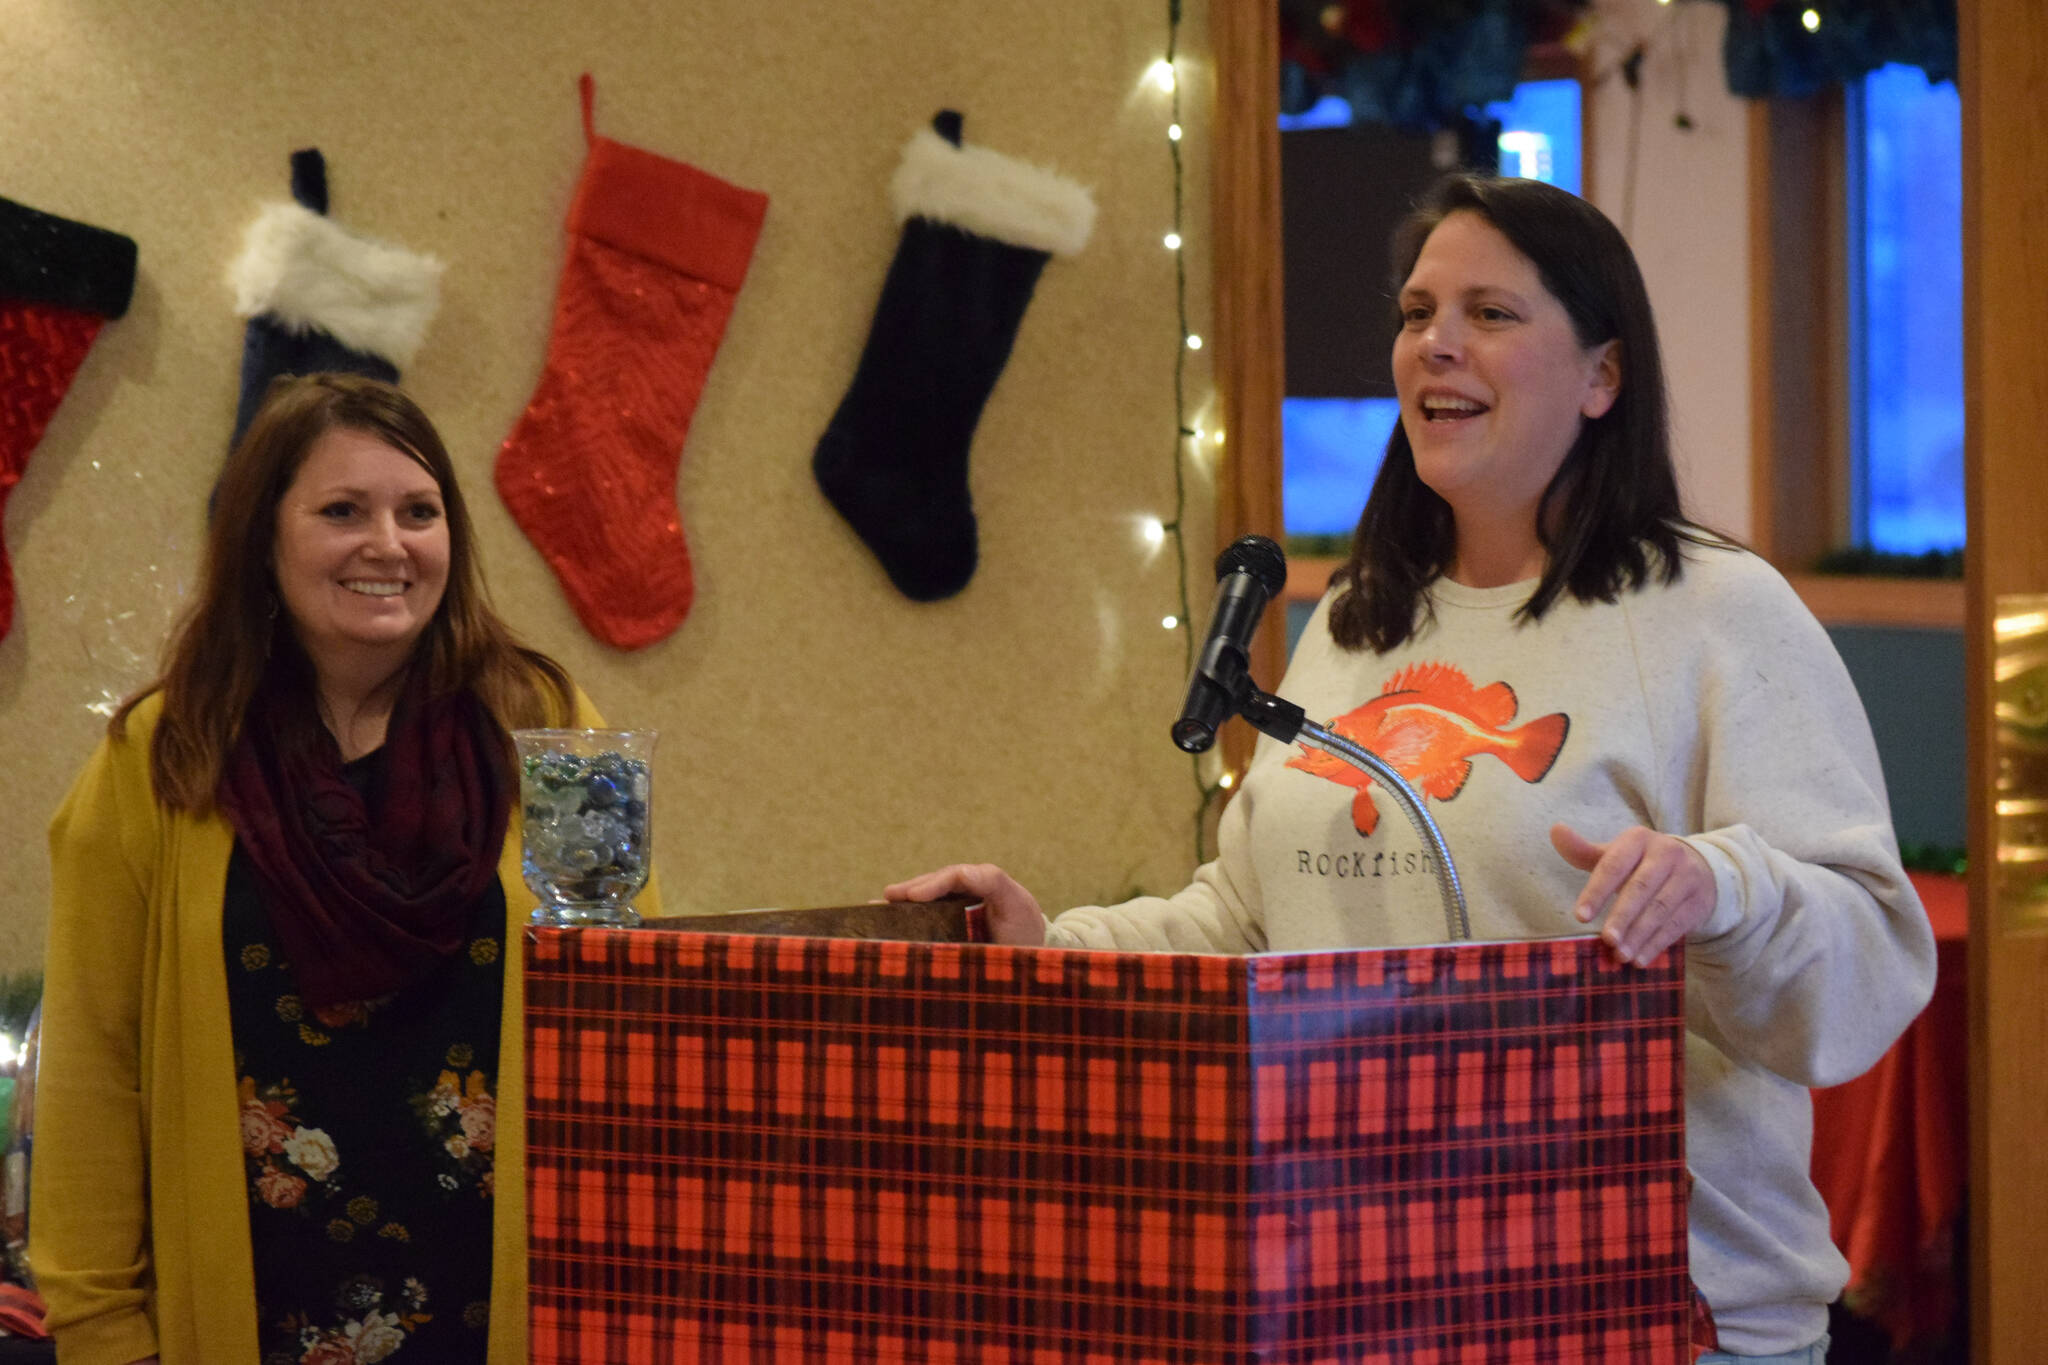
pixel 1205 792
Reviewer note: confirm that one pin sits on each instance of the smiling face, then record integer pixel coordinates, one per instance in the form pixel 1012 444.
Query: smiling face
pixel 361 556
pixel 1493 382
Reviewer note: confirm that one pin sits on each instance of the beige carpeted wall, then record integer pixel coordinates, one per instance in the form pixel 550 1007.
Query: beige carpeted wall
pixel 820 734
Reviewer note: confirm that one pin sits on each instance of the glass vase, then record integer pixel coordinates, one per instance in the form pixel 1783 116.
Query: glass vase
pixel 586 801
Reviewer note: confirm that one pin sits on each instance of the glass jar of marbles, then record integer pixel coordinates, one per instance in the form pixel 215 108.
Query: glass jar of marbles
pixel 586 799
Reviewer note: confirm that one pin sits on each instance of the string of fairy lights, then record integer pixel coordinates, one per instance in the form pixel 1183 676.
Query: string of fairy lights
pixel 1809 18
pixel 1190 440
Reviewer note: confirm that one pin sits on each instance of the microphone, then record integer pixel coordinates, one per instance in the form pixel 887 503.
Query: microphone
pixel 1248 575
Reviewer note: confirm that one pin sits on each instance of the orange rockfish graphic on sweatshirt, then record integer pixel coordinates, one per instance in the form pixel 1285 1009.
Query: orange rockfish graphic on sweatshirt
pixel 1429 723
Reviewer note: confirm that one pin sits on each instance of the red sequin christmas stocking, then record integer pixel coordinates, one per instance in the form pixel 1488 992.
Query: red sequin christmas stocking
pixel 657 252
pixel 59 281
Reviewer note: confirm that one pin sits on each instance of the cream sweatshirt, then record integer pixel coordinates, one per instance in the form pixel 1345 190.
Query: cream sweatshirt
pixel 1714 708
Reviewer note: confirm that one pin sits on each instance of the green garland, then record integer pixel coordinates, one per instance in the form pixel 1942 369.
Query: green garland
pixel 1948 858
pixel 1318 546
pixel 1183 435
pixel 1862 560
pixel 1774 52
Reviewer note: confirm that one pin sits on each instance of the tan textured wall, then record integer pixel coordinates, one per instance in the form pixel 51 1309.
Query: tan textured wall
pixel 820 734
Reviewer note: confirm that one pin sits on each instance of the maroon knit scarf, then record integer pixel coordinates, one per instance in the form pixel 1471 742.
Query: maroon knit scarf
pixel 364 902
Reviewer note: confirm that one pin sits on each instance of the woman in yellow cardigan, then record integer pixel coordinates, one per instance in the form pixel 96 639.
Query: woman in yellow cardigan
pixel 280 1112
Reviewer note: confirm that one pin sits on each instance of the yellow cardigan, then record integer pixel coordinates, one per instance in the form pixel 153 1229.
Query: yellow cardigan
pixel 139 1206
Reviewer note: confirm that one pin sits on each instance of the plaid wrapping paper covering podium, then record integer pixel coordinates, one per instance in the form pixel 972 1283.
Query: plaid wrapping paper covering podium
pixel 749 1149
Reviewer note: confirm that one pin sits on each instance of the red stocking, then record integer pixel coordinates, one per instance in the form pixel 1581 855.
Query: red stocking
pixel 41 348
pixel 59 281
pixel 657 252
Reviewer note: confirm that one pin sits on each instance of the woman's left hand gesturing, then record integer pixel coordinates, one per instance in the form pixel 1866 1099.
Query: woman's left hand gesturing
pixel 1654 888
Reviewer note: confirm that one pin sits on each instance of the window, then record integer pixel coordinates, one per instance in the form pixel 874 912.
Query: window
pixel 1905 383
pixel 1539 132
pixel 1332 435
pixel 1855 347
pixel 1331 450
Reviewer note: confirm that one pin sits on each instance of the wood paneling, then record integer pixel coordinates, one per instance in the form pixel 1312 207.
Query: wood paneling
pixel 2004 52
pixel 1844 600
pixel 1799 497
pixel 1250 352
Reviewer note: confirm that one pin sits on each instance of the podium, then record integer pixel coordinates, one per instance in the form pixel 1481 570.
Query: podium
pixel 755 1148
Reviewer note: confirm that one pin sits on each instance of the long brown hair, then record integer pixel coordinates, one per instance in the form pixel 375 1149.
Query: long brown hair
pixel 1611 518
pixel 221 647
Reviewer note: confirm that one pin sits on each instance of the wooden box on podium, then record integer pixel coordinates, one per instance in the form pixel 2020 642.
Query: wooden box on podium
pixel 807 1149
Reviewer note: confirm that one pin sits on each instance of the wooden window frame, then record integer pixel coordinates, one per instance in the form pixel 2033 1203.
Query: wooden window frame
pixel 1799 366
pixel 1251 369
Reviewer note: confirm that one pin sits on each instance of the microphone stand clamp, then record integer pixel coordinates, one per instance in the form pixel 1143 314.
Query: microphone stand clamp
pixel 1286 722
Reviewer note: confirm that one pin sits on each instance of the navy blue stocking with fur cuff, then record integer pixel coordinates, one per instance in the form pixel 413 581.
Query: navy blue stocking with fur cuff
pixel 977 229
pixel 320 299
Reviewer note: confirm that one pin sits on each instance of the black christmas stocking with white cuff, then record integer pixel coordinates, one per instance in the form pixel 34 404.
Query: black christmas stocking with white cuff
pixel 59 282
pixel 977 229
pixel 321 299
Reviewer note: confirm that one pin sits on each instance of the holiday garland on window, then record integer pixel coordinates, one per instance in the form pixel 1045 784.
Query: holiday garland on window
pixel 1418 64
pixel 1796 48
pixel 1426 64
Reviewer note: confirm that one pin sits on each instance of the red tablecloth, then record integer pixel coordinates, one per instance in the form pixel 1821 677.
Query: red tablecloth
pixel 1889 1148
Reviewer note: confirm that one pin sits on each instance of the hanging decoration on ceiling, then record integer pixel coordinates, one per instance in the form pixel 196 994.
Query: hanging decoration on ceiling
pixel 657 253
pixel 1415 64
pixel 60 281
pixel 1796 48
pixel 978 227
pixel 322 299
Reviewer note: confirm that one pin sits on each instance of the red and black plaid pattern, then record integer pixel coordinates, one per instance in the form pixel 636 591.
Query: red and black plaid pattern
pixel 825 1150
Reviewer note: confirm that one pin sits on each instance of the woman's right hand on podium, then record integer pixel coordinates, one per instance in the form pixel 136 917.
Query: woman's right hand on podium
pixel 1012 912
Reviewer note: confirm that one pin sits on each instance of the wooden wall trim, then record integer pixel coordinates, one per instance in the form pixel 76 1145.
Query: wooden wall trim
pixel 2004 65
pixel 1860 600
pixel 1798 353
pixel 1249 333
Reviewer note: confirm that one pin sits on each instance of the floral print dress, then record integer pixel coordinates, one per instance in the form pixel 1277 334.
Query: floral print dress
pixel 368 1134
